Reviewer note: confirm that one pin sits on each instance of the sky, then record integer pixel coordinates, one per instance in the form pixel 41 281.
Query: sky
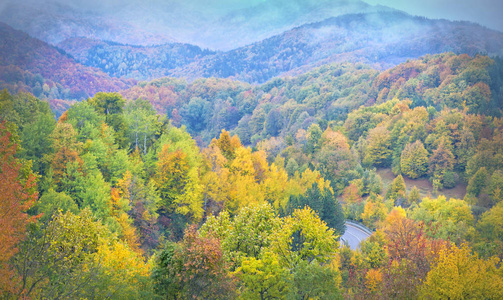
pixel 488 13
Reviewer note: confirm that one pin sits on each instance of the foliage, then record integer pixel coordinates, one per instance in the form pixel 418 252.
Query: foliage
pixel 414 160
pixel 17 196
pixel 193 269
pixel 459 274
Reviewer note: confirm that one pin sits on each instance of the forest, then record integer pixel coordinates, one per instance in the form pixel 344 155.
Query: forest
pixel 220 189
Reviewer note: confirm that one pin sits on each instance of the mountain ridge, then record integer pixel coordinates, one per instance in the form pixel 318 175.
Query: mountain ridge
pixel 381 39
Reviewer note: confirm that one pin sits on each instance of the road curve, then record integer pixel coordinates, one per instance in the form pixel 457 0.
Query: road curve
pixel 354 236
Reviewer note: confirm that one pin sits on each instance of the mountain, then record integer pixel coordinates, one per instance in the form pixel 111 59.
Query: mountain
pixel 380 39
pixel 139 62
pixel 220 25
pixel 32 65
pixel 54 22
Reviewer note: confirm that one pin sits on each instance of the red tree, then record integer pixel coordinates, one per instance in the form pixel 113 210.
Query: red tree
pixel 17 195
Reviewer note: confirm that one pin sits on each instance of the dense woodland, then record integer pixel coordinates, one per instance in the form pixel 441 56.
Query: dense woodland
pixel 218 189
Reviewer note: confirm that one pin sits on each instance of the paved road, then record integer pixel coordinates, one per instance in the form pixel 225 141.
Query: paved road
pixel 354 236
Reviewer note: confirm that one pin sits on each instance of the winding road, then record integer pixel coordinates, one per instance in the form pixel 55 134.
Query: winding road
pixel 354 235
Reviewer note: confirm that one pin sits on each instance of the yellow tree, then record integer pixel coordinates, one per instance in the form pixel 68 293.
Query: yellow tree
pixel 178 184
pixel 303 236
pixel 459 274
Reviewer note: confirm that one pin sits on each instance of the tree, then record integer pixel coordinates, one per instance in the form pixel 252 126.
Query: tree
pixel 374 212
pixel 478 182
pixel 313 138
pixel 263 278
pixel 379 147
pixel 414 160
pixel 444 219
pixel 397 189
pixel 36 144
pixel 58 260
pixel 247 235
pixel 352 195
pixel 303 236
pixel 273 123
pixel 312 280
pixel 441 161
pixel 414 196
pixel 193 269
pixel 195 114
pixel 324 203
pixel 459 274
pixel 51 202
pixel 489 240
pixel 142 124
pixel 17 195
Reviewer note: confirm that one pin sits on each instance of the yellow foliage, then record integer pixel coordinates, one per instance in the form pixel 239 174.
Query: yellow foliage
pixel 373 279
pixel 124 266
pixel 459 274
pixel 395 216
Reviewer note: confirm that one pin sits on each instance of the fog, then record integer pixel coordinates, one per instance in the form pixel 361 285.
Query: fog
pixel 213 24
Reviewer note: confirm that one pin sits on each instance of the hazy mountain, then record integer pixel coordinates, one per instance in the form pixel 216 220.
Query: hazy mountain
pixel 382 40
pixel 32 65
pixel 139 62
pixel 222 25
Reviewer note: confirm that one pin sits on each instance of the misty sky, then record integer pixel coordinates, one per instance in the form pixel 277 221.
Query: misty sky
pixel 488 13
pixel 485 12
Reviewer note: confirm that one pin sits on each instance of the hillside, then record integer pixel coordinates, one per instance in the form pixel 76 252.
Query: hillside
pixel 132 205
pixel 142 63
pixel 283 106
pixel 381 39
pixel 34 66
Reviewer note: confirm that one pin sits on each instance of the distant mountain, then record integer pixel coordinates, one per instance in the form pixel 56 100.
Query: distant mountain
pixel 34 66
pixel 142 63
pixel 54 22
pixel 221 25
pixel 381 39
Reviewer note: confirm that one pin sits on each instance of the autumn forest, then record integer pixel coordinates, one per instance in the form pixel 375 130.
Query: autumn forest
pixel 235 177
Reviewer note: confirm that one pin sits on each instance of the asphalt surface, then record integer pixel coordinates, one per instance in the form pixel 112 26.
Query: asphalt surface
pixel 354 236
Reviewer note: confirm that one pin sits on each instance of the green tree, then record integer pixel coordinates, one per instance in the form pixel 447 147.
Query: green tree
pixel 397 189
pixel 379 147
pixel 314 281
pixel 57 260
pixel 414 160
pixel 478 182
pixel 36 143
pixel 414 196
pixel 143 124
pixel 51 202
pixel 111 105
pixel 247 235
pixel 313 137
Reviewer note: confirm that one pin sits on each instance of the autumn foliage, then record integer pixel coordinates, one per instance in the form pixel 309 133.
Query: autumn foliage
pixel 17 195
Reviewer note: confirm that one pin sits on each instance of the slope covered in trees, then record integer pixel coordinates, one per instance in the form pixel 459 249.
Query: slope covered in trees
pixel 283 106
pixel 380 39
pixel 217 189
pixel 30 65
